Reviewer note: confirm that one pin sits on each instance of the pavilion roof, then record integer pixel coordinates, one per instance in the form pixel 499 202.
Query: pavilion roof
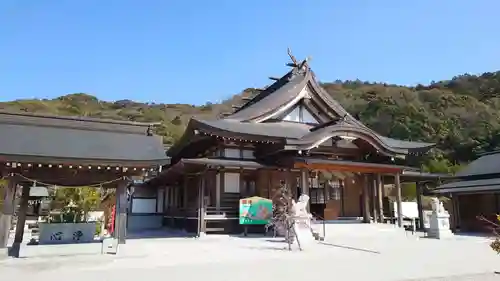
pixel 53 139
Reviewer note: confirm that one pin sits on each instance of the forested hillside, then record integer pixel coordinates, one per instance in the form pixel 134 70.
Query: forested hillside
pixel 461 114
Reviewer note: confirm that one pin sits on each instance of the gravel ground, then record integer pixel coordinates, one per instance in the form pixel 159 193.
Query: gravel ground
pixel 386 255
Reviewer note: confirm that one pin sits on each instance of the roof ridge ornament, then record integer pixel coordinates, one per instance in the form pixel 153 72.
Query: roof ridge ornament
pixel 297 67
pixel 292 57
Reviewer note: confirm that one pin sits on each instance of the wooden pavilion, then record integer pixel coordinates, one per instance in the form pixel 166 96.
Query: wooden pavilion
pixel 70 151
pixel 475 193
pixel 292 132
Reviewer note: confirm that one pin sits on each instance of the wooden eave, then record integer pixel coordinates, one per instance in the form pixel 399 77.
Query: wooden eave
pixel 346 166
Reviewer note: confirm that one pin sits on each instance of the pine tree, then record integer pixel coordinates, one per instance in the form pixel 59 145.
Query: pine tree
pixel 282 220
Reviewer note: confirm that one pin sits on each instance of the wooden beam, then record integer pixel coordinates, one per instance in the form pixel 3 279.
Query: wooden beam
pixel 348 168
pixel 316 111
pixel 67 177
pixel 337 151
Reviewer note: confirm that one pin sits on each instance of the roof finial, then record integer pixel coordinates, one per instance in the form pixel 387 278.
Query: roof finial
pixel 292 57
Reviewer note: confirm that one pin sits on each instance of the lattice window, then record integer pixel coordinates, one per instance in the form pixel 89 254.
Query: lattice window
pixel 321 192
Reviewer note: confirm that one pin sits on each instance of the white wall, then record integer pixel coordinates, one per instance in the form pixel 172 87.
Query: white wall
pixel 232 182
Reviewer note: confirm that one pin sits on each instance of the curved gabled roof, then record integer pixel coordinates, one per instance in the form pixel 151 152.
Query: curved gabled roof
pixel 343 128
pixel 298 136
pixel 253 119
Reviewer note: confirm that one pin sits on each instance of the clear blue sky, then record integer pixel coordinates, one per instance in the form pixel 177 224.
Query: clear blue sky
pixel 197 51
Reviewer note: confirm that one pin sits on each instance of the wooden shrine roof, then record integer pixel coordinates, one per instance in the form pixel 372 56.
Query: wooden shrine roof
pixel 259 118
pixel 481 175
pixel 51 139
pixel 488 164
pixel 470 186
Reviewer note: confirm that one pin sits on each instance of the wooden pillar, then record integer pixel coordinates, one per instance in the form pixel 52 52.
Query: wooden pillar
pixel 397 184
pixel 219 181
pixel 420 209
pixel 304 185
pixel 270 184
pixel 121 212
pixel 366 200
pixel 380 196
pixel 291 182
pixel 456 212
pixel 243 183
pixel 6 214
pixel 173 193
pixel 201 209
pixel 373 184
pixel 21 220
pixel 185 188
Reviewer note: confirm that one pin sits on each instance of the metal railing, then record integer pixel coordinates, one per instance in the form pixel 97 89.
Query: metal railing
pixel 222 212
pixel 314 220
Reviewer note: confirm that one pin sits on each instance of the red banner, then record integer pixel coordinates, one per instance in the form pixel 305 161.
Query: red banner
pixel 111 225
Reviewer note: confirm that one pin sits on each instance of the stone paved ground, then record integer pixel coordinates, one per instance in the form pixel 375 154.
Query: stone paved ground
pixel 359 255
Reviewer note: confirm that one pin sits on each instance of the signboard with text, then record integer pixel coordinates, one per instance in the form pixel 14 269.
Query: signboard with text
pixel 255 210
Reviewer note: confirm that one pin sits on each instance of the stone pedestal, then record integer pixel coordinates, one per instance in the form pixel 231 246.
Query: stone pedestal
pixel 439 225
pixel 61 233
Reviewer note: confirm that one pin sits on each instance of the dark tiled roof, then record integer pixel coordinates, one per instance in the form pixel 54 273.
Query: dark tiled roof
pixel 271 129
pixel 73 122
pixel 271 100
pixel 484 165
pixel 470 186
pixel 72 142
pixel 224 162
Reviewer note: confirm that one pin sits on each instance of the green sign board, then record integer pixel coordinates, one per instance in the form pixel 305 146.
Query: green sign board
pixel 255 210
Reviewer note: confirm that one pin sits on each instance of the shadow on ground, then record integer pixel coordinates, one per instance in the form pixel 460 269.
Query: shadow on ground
pixel 350 248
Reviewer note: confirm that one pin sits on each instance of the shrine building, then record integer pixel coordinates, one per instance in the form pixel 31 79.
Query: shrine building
pixel 54 151
pixel 292 132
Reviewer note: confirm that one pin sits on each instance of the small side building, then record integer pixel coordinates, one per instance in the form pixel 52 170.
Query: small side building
pixel 475 193
pixel 51 151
